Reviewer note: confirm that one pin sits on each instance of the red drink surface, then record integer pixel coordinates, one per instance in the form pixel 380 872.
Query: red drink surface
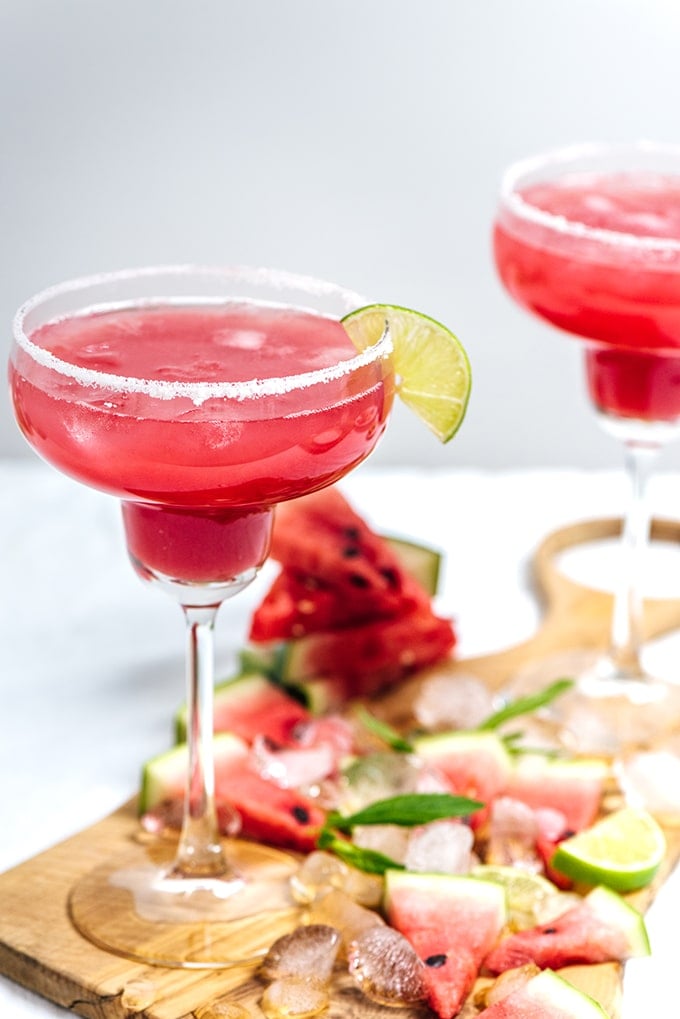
pixel 215 461
pixel 620 293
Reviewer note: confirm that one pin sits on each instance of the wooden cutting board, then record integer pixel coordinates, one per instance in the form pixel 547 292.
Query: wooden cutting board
pixel 40 949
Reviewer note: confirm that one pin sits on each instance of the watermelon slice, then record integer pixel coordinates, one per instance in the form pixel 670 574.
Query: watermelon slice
pixel 543 995
pixel 249 704
pixel 452 922
pixel 280 816
pixel 475 764
pixel 574 787
pixel 345 602
pixel 372 655
pixel 602 927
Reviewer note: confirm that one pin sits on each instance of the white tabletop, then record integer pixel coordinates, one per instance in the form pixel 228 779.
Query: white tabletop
pixel 94 660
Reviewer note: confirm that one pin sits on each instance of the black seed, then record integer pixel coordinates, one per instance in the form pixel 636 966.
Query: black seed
pixel 435 961
pixel 300 814
pixel 391 576
pixel 357 580
pixel 351 533
pixel 351 551
pixel 550 930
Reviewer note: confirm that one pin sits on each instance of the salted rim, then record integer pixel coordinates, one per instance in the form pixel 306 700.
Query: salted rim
pixel 569 227
pixel 199 392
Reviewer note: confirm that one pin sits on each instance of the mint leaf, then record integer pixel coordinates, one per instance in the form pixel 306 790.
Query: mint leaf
pixel 383 731
pixel 407 810
pixel 368 860
pixel 525 705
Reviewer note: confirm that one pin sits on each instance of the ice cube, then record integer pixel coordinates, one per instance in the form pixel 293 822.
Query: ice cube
pixel 223 1009
pixel 292 768
pixel 378 776
pixel 651 780
pixel 512 835
pixel 443 847
pixel 452 702
pixel 293 998
pixel 318 873
pixel 386 967
pixel 338 910
pixel 306 951
pixel 389 839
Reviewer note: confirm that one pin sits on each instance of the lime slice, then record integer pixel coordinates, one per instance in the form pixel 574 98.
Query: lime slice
pixel 432 367
pixel 622 851
pixel 527 894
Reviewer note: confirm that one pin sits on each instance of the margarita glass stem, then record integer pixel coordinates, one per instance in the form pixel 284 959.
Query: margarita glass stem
pixel 627 615
pixel 199 853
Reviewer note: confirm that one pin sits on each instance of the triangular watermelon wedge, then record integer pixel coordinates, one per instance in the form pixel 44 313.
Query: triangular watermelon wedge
pixel 544 995
pixel 452 923
pixel 602 927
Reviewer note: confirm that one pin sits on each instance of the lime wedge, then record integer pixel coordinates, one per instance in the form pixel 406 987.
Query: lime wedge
pixel 527 894
pixel 623 851
pixel 432 367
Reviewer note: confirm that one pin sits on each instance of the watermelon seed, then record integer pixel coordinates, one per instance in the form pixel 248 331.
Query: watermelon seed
pixel 352 533
pixel 435 961
pixel 300 814
pixel 351 551
pixel 550 930
pixel 390 576
pixel 358 581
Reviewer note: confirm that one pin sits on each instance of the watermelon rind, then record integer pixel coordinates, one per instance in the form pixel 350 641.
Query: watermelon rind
pixel 421 562
pixel 616 912
pixel 478 758
pixel 549 995
pixel 165 775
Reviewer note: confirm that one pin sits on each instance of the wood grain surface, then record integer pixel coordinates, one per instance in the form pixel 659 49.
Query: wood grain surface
pixel 40 948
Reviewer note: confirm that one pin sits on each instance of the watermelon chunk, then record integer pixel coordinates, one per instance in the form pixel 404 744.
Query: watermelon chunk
pixel 574 787
pixel 344 601
pixel 544 995
pixel 372 655
pixel 280 816
pixel 474 764
pixel 452 923
pixel 248 704
pixel 602 927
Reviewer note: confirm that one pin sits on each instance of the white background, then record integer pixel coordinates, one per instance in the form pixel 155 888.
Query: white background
pixel 357 140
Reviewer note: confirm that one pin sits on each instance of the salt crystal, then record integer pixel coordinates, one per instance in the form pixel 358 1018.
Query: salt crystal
pixel 306 951
pixel 443 847
pixel 452 702
pixel 293 998
pixel 386 967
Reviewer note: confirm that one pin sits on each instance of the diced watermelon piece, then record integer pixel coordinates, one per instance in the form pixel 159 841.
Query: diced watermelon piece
pixel 372 655
pixel 282 817
pixel 544 995
pixel 475 764
pixel 250 704
pixel 452 923
pixel 574 786
pixel 602 927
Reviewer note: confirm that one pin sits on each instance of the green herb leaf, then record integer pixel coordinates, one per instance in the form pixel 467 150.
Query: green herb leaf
pixel 368 860
pixel 383 731
pixel 525 705
pixel 407 810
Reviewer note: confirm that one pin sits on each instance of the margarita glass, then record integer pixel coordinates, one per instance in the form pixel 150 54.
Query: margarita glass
pixel 588 238
pixel 199 397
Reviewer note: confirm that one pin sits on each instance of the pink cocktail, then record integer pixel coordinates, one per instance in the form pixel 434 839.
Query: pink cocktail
pixel 200 398
pixel 614 283
pixel 588 239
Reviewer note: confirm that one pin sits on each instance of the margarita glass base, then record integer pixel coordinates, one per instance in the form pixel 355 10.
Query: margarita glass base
pixel 137 907
pixel 609 711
